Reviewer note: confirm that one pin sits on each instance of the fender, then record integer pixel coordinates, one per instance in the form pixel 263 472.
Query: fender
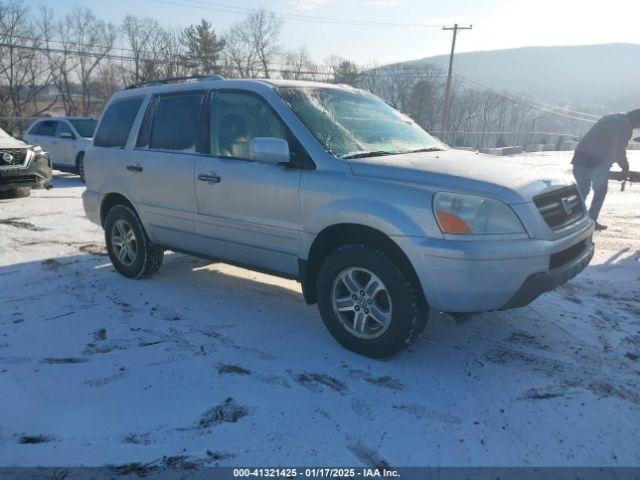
pixel 387 218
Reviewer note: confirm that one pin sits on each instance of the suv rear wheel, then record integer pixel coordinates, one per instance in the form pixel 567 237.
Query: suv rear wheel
pixel 131 252
pixel 368 303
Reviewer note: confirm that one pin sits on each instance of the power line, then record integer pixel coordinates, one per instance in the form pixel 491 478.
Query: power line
pixel 219 7
pixel 327 72
pixel 541 106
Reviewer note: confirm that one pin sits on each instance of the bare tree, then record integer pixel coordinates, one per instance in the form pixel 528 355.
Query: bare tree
pixel 84 44
pixel 238 58
pixel 23 69
pixel 255 40
pixel 298 65
pixel 108 81
pixel 144 39
pixel 93 39
pixel 59 58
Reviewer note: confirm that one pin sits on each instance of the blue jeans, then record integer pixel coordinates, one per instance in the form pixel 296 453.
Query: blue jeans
pixel 593 177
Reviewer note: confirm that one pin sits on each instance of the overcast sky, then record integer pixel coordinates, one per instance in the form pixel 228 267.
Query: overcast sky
pixel 497 23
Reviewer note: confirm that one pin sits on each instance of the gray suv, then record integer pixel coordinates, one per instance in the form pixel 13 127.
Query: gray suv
pixel 379 221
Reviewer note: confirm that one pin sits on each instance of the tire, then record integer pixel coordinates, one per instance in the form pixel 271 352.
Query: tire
pixel 19 192
pixel 400 302
pixel 80 166
pixel 141 258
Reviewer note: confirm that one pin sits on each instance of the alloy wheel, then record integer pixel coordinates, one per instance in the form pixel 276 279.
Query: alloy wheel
pixel 124 242
pixel 362 303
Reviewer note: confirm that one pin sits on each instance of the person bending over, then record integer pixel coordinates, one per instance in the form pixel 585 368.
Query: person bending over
pixel 603 145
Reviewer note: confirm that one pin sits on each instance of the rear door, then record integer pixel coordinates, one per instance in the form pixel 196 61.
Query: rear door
pixel 161 172
pixel 247 211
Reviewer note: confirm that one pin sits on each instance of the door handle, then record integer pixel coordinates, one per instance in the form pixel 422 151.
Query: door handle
pixel 210 178
pixel 134 168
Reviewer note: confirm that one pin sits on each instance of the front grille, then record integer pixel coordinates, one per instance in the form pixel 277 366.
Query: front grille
pixel 567 255
pixel 10 157
pixel 19 179
pixel 553 207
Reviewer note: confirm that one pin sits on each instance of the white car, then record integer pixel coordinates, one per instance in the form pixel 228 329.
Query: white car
pixel 65 138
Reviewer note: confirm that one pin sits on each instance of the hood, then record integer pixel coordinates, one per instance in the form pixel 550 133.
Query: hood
pixel 462 172
pixel 10 142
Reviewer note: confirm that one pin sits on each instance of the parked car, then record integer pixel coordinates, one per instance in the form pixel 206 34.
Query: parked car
pixel 65 138
pixel 379 221
pixel 22 167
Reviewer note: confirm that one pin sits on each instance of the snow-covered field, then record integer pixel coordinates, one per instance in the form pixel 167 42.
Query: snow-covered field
pixel 214 365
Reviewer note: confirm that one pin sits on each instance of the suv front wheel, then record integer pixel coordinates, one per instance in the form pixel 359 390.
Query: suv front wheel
pixel 131 252
pixel 368 303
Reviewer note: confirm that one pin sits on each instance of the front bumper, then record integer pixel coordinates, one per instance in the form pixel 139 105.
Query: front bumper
pixel 539 283
pixel 35 174
pixel 476 276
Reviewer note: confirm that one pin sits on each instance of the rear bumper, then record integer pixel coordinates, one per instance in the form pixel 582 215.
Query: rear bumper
pixel 36 174
pixel 91 202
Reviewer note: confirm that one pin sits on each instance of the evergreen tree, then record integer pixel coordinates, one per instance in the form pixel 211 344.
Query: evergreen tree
pixel 203 47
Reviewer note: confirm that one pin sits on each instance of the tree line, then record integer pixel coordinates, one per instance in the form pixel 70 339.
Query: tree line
pixel 72 64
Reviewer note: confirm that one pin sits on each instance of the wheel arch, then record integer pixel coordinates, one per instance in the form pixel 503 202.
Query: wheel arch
pixel 338 235
pixel 111 200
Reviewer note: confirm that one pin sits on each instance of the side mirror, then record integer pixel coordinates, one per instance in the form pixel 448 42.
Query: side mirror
pixel 269 150
pixel 67 135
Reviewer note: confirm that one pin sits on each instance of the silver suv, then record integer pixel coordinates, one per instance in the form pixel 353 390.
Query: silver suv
pixel 379 221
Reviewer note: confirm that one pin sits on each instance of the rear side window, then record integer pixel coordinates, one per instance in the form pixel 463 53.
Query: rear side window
pixel 116 123
pixel 175 122
pixel 46 128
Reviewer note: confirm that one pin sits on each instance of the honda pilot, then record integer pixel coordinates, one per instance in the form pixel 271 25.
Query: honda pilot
pixel 378 220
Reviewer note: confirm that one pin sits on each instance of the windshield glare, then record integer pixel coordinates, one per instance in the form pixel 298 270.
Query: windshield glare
pixel 350 122
pixel 85 127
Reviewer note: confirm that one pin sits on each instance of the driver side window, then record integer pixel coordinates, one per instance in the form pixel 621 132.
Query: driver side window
pixel 63 131
pixel 236 119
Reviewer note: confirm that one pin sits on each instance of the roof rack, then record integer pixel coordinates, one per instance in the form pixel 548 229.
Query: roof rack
pixel 165 81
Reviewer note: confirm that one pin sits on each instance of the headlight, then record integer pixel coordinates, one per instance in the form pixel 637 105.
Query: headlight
pixel 472 215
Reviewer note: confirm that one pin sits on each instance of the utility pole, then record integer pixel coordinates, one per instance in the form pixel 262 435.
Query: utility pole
pixel 447 92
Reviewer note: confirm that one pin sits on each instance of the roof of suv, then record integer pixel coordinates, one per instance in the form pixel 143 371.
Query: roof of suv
pixel 53 119
pixel 210 82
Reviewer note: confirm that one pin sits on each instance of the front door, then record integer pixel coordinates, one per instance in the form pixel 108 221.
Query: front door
pixel 161 170
pixel 64 142
pixel 247 212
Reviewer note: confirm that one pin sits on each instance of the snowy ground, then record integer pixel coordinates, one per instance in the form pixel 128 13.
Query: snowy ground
pixel 215 365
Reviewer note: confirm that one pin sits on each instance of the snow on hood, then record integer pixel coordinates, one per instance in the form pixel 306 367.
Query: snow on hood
pixel 463 172
pixel 10 142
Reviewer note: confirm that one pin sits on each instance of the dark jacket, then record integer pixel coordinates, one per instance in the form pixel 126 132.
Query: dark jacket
pixel 606 142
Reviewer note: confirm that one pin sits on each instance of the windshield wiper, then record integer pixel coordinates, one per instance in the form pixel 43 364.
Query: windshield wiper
pixel 422 150
pixel 380 153
pixel 377 153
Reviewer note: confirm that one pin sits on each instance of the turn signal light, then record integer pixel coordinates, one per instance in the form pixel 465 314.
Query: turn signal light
pixel 451 223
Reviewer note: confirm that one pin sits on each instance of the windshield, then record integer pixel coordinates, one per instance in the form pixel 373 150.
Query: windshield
pixel 351 123
pixel 85 127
